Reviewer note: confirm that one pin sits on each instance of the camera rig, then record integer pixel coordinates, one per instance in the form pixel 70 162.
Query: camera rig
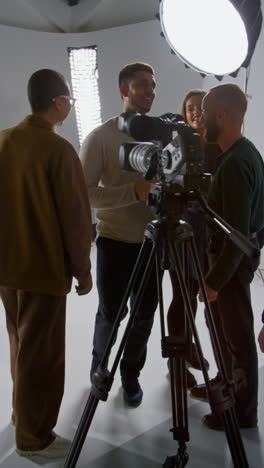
pixel 178 160
pixel 178 167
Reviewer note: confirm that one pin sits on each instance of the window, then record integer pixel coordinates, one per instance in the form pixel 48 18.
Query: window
pixel 84 75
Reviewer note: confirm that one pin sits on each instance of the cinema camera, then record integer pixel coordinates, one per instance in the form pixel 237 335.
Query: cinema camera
pixel 177 161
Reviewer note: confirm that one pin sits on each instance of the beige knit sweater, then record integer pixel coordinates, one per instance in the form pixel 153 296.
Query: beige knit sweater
pixel 119 214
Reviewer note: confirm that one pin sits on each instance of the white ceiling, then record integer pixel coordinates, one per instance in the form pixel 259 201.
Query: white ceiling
pixel 87 15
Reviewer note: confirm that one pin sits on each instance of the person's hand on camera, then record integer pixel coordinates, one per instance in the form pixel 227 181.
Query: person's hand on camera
pixel 261 339
pixel 211 294
pixel 142 188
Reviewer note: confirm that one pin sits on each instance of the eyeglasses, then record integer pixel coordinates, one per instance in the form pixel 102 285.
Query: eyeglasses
pixel 71 99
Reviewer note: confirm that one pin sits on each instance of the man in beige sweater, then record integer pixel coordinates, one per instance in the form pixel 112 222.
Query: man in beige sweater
pixel 122 214
pixel 45 240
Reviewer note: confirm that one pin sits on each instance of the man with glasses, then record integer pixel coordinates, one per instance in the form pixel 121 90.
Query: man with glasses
pixel 71 99
pixel 45 241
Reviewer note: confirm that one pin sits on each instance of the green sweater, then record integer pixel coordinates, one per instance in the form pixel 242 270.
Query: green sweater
pixel 45 217
pixel 237 195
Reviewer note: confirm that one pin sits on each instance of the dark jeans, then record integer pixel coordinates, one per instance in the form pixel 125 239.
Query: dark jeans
pixel 115 263
pixel 233 316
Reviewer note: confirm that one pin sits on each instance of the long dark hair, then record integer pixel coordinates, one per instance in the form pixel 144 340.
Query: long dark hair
pixel 192 92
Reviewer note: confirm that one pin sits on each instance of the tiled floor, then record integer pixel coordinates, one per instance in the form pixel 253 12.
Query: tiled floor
pixel 121 436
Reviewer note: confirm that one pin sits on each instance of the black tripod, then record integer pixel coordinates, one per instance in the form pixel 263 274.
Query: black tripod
pixel 163 235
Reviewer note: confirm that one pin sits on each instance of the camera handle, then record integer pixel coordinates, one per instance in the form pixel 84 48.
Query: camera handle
pixel 162 240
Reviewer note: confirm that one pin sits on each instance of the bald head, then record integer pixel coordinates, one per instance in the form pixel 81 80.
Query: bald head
pixel 224 108
pixel 230 97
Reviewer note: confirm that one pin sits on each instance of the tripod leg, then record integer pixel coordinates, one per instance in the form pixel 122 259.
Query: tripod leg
pixel 81 432
pixel 186 275
pixel 174 348
pixel 221 398
pixel 188 306
pixel 178 391
pixel 103 379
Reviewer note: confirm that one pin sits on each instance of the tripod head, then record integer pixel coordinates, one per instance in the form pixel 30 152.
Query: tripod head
pixel 170 203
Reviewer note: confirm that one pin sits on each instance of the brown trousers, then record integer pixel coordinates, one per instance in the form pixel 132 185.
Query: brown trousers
pixel 36 329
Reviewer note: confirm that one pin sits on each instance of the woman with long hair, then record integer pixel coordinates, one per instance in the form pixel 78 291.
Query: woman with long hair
pixel 177 325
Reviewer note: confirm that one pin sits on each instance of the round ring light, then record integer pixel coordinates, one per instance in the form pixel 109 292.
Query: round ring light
pixel 214 37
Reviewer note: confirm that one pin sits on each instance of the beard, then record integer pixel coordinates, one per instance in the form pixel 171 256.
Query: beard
pixel 211 132
pixel 139 104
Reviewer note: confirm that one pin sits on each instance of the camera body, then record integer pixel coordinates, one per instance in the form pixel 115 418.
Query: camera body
pixel 178 161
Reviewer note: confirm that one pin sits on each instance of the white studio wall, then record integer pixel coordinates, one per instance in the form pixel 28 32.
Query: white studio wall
pixel 253 123
pixel 23 52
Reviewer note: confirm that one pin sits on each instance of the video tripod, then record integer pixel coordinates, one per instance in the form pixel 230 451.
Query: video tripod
pixel 163 235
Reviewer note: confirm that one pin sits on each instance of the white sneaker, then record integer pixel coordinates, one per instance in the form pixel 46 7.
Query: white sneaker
pixel 59 448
